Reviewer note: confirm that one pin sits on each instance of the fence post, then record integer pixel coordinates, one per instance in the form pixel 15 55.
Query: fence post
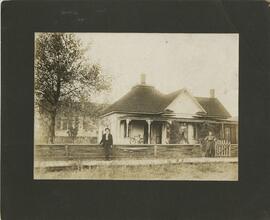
pixel 216 148
pixel 220 148
pixel 47 153
pixel 155 150
pixel 228 149
pixel 66 150
pixel 217 151
pixel 224 148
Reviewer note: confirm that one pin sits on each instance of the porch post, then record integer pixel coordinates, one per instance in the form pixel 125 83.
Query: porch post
pixel 196 131
pixel 149 131
pixel 118 130
pixel 127 131
pixel 168 138
pixel 222 131
pixel 163 133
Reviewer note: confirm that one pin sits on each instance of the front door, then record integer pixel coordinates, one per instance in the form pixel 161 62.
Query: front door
pixel 156 133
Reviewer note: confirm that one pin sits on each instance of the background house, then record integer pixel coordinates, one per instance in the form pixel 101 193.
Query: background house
pixel 146 116
pixel 82 116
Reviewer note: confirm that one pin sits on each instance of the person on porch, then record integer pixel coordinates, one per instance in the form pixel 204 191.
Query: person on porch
pixel 183 133
pixel 210 140
pixel 107 143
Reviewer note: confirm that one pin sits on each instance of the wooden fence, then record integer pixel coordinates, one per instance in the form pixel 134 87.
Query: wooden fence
pixel 55 152
pixel 234 150
pixel 96 152
pixel 222 148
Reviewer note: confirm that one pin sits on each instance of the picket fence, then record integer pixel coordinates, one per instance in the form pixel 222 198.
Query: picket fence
pixel 222 148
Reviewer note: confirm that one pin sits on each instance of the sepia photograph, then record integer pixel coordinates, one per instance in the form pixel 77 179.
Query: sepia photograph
pixel 136 106
pixel 135 110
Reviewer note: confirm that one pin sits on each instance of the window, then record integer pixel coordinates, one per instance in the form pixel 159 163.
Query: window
pixel 77 122
pixel 123 128
pixel 227 134
pixel 64 124
pixel 194 131
pixel 70 123
pixel 58 123
pixel 85 124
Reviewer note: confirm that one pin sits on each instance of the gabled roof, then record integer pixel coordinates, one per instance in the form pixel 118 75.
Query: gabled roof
pixel 213 107
pixel 141 99
pixel 195 101
pixel 148 100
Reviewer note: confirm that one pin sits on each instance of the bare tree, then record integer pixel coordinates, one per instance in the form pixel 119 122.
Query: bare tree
pixel 63 74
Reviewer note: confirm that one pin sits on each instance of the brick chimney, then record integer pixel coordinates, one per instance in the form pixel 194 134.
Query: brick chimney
pixel 212 93
pixel 143 79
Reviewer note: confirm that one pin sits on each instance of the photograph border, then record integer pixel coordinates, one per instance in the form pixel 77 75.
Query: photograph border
pixel 92 199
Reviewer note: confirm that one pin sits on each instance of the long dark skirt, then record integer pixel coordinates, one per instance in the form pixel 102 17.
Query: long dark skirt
pixel 210 149
pixel 107 151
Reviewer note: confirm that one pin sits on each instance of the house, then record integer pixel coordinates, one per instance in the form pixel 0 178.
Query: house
pixel 146 116
pixel 83 116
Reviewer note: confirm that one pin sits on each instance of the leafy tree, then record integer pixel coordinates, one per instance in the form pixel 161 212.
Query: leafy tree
pixel 205 127
pixel 177 133
pixel 63 74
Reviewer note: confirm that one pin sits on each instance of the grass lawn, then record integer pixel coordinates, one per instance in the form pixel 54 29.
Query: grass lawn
pixel 181 171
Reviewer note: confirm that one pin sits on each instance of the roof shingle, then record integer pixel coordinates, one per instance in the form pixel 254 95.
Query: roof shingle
pixel 147 99
pixel 213 107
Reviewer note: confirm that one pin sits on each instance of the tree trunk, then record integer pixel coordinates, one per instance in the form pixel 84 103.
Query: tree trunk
pixel 52 127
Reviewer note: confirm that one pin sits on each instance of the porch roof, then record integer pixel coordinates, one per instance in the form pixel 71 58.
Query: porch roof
pixel 167 119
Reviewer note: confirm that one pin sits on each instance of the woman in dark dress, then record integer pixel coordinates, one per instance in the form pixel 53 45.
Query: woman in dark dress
pixel 210 145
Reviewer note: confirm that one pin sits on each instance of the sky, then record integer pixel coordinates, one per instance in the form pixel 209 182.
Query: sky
pixel 198 62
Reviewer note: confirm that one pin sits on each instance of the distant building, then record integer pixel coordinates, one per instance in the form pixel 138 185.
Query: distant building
pixel 146 116
pixel 85 118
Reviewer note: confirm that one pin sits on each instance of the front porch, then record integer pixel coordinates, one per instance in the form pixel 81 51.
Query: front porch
pixel 140 130
pixel 135 131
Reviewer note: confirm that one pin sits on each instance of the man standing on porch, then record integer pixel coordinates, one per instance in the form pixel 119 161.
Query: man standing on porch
pixel 107 143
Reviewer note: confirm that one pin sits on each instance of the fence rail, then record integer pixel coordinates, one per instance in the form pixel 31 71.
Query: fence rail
pixel 96 152
pixel 55 152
